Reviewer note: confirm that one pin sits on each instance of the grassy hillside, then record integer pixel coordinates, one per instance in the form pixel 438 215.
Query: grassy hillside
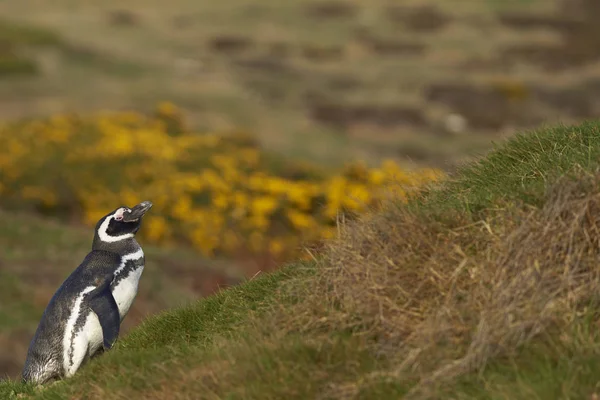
pixel 485 287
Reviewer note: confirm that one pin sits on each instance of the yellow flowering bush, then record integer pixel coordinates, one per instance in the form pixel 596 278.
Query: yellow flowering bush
pixel 221 194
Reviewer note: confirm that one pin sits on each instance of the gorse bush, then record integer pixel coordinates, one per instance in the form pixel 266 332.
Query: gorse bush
pixel 221 194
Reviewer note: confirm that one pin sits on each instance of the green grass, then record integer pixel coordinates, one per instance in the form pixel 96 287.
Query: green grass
pixel 521 169
pixel 231 345
pixel 197 324
pixel 563 366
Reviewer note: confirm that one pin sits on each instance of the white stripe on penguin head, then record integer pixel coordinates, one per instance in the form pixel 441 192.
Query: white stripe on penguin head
pixel 104 236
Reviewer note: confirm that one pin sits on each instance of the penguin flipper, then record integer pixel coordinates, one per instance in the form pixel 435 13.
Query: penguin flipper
pixel 103 304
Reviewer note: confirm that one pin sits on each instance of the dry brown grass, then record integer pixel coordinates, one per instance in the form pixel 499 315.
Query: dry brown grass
pixel 438 299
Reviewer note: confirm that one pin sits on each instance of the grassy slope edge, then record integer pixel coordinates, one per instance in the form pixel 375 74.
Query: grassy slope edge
pixel 289 334
pixel 170 334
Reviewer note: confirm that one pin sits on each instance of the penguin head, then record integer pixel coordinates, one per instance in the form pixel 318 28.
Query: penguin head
pixel 122 223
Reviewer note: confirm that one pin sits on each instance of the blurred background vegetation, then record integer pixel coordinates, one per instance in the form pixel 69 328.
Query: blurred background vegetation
pixel 253 124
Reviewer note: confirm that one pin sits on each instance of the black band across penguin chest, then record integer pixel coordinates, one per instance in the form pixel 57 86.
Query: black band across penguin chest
pixel 124 286
pixel 126 269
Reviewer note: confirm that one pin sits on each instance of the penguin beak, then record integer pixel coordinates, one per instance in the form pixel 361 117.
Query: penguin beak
pixel 137 211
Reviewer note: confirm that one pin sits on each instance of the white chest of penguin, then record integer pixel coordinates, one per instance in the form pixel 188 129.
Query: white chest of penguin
pixel 126 288
pixel 125 291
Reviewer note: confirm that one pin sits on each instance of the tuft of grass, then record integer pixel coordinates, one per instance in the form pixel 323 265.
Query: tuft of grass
pixel 11 390
pixel 563 365
pixel 495 300
pixel 521 169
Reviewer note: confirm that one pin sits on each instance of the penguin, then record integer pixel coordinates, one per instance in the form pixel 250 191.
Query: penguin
pixel 83 317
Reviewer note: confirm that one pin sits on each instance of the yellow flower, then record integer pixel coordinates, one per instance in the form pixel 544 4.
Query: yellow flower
pixel 220 200
pixel 240 199
pixel 214 190
pixel 376 177
pixel 301 195
pixel 182 208
pixel 276 246
pixel 357 197
pixel 299 220
pixel 156 228
pixel 257 182
pixel 204 240
pixel 223 162
pixel 58 135
pixel 276 185
pixel 258 222
pixel 336 189
pixel 264 205
pixel 393 172
pixel 213 180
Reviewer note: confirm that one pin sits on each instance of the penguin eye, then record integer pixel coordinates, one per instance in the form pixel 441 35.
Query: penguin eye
pixel 119 214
